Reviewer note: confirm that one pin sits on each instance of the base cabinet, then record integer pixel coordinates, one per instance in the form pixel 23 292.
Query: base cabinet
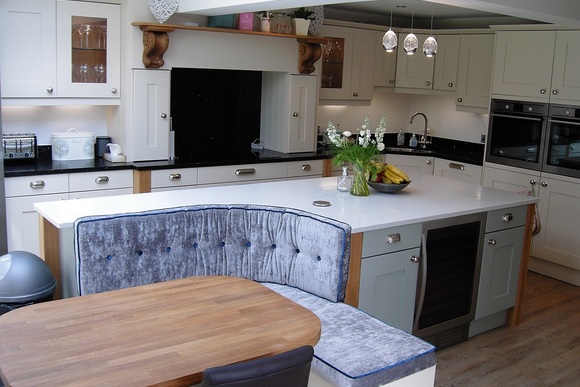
pixel 414 166
pixel 465 172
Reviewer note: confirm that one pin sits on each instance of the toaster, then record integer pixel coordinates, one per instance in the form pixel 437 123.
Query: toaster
pixel 19 145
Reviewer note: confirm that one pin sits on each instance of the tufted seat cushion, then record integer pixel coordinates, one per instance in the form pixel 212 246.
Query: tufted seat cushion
pixel 262 243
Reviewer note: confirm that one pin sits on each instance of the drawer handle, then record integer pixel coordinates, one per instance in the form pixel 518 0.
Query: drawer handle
pixel 245 171
pixel 457 166
pixel 37 184
pixel 306 167
pixel 507 217
pixel 102 179
pixel 394 238
pixel 174 176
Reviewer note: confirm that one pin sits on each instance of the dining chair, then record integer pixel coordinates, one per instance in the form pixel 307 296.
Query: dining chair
pixel 288 369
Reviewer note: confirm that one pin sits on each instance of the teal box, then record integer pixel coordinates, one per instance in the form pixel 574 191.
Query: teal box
pixel 222 21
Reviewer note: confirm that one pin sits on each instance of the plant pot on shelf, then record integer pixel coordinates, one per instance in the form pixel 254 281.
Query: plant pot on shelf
pixel 265 25
pixel 301 26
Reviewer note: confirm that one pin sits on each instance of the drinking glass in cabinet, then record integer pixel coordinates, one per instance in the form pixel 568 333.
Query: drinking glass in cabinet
pixel 89 49
pixel 332 63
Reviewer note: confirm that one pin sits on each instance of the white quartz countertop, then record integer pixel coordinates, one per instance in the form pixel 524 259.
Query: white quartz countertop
pixel 426 198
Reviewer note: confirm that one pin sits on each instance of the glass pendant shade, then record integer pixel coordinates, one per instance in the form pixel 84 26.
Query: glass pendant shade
pixel 411 44
pixel 390 40
pixel 430 46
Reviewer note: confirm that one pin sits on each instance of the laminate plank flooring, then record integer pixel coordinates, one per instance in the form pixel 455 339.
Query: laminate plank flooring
pixel 544 350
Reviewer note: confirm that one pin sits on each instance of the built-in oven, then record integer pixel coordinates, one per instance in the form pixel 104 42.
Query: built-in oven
pixel 517 133
pixel 562 150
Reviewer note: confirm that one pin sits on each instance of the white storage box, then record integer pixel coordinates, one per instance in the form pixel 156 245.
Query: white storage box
pixel 73 145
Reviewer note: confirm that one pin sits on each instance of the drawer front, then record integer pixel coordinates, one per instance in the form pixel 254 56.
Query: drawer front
pixel 391 239
pixel 100 180
pixel 173 177
pixel 36 185
pixel 305 168
pixel 506 218
pixel 242 173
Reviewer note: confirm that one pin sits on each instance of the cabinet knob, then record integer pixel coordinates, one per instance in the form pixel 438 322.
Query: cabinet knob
pixel 414 259
pixel 428 162
pixel 542 91
pixel 174 176
pixel 507 217
pixel 392 81
pixel 544 184
pixel 533 182
pixel 459 99
pixel 555 92
pixel 102 179
pixel 37 184
pixel 114 90
pixel 294 114
pixel 393 238
pixel 492 242
pixel 305 167
pixel 450 84
pixel 427 83
pixel 49 89
pixel 163 115
pixel 355 94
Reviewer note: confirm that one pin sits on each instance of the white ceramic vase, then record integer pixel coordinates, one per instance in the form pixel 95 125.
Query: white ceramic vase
pixel 265 25
pixel 301 26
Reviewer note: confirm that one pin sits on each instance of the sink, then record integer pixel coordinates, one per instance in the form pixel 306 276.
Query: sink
pixel 417 151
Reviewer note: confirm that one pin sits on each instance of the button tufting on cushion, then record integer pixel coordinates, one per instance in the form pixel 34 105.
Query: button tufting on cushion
pixel 274 246
pixel 195 245
pixel 167 249
pixel 109 257
pixel 318 258
pixel 297 251
pixel 248 244
pixel 140 252
pixel 222 244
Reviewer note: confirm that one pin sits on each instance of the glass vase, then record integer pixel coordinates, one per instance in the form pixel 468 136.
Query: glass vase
pixel 360 176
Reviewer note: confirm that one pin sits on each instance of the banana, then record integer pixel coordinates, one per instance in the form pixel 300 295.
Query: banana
pixel 394 178
pixel 397 172
pixel 386 180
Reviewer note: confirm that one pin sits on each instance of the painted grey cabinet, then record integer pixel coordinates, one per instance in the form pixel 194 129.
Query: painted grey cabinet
pixel 389 272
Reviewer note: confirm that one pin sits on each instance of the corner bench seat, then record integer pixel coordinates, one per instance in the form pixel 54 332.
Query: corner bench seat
pixel 301 255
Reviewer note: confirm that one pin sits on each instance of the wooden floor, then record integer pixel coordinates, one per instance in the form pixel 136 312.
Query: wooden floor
pixel 544 350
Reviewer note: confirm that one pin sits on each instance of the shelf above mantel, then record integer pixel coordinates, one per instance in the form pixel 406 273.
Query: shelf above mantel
pixel 156 41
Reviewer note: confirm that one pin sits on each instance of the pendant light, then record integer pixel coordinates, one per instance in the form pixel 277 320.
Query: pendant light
pixel 390 38
pixel 410 44
pixel 430 45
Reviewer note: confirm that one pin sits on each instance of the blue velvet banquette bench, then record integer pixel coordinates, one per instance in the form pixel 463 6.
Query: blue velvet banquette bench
pixel 303 256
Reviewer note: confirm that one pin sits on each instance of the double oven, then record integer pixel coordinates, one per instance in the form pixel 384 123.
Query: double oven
pixel 537 136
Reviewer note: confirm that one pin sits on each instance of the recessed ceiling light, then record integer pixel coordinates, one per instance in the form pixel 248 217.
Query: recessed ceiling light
pixel 400 6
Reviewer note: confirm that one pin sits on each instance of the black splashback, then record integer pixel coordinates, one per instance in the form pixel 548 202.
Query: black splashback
pixel 214 111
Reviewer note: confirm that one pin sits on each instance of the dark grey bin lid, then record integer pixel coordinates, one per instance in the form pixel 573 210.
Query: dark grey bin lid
pixel 24 277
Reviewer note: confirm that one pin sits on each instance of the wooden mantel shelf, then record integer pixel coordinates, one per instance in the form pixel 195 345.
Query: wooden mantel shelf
pixel 156 41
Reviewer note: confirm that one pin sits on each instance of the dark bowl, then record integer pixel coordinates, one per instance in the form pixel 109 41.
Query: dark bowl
pixel 387 188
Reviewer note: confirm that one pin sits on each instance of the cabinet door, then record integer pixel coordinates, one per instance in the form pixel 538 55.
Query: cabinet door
pixel 302 125
pixel 27 48
pixel 414 166
pixel 468 173
pixel 22 221
pixel 388 287
pixel 559 212
pixel 517 181
pixel 523 64
pixel 500 268
pixel 385 63
pixel 151 112
pixel 566 74
pixel 474 72
pixel 363 64
pixel 336 66
pixel 414 71
pixel 446 60
pixel 88 49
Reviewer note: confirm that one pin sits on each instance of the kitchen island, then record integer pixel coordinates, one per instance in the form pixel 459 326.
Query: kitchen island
pixel 426 199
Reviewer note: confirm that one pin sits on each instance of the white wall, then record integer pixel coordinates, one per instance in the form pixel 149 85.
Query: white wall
pixel 444 120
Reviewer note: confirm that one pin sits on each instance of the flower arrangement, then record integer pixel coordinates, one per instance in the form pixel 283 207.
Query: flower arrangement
pixel 265 15
pixel 359 150
pixel 303 13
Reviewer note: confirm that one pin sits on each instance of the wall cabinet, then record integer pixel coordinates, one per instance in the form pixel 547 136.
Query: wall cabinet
pixel 521 72
pixel 81 61
pixel 414 166
pixel 389 271
pixel 465 172
pixel 446 62
pixel 151 114
pixel 22 192
pixel 474 73
pixel 288 120
pixel 347 70
pixel 385 64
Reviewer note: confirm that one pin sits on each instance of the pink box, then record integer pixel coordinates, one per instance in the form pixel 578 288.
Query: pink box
pixel 246 21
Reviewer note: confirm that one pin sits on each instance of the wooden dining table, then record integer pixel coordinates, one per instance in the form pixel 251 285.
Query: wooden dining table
pixel 163 334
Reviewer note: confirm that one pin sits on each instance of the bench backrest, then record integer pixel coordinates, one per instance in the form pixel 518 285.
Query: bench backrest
pixel 262 243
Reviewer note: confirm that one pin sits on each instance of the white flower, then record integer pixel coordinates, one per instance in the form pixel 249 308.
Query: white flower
pixel 346 133
pixel 380 146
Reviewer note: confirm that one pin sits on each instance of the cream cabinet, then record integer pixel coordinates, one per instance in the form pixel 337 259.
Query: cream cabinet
pixel 446 62
pixel 468 173
pixel 305 169
pixel 347 70
pixel 288 118
pixel 80 60
pixel 245 173
pixel 170 179
pixel 414 166
pixel 385 64
pixel 539 66
pixel 474 73
pixel 151 114
pixel 100 183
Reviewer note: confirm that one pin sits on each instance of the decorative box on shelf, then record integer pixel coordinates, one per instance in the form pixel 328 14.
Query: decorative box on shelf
pixel 221 21
pixel 246 21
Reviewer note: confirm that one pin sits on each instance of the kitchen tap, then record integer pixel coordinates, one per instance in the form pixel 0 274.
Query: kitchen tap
pixel 423 141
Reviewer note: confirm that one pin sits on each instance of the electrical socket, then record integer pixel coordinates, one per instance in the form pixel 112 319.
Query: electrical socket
pixel 483 138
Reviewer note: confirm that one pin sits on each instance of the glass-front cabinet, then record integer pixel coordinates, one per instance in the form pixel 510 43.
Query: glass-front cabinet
pixel 89 50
